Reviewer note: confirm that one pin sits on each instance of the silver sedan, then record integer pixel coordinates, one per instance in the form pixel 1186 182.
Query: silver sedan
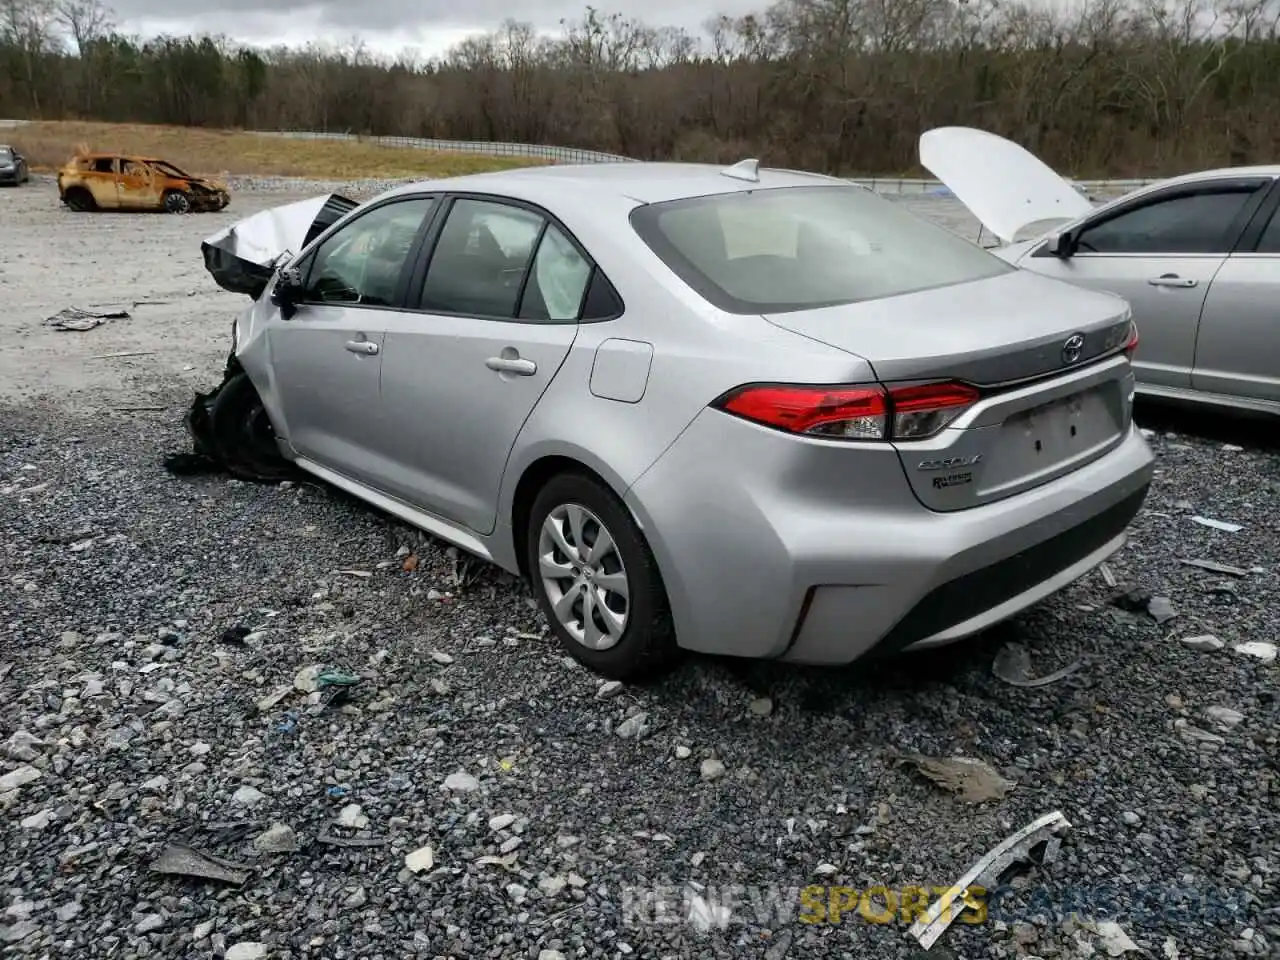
pixel 740 411
pixel 1196 256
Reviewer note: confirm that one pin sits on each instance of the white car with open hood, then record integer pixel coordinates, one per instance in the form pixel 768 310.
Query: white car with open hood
pixel 1197 257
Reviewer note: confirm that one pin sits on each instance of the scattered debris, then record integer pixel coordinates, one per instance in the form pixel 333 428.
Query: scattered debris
pixel 410 563
pixel 1105 569
pixel 1205 643
pixel 461 782
pixel 1139 600
pixel 507 862
pixel 352 818
pixel 1218 524
pixel 974 781
pixel 1264 651
pixel 761 706
pixel 1161 609
pixel 421 859
pixel 182 860
pixel 278 838
pixel 712 769
pixel 1224 718
pixel 1214 567
pixel 1013 666
pixel 1111 938
pixel 79 320
pixel 989 871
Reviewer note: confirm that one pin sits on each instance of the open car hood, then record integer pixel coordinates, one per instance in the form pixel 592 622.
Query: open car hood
pixel 1003 185
pixel 242 257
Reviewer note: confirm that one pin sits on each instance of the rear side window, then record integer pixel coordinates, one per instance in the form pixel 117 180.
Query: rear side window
pixel 797 248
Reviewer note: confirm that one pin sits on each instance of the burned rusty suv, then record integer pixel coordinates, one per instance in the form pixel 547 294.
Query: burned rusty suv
pixel 107 181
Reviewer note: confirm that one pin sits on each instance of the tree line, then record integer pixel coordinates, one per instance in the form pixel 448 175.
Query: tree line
pixel 1102 87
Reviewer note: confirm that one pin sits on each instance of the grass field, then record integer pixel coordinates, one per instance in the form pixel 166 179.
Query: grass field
pixel 48 145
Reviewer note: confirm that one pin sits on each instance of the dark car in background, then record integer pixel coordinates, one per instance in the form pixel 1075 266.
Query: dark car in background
pixel 13 167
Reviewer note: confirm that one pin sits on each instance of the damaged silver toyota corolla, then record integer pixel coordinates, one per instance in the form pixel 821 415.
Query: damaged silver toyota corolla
pixel 740 411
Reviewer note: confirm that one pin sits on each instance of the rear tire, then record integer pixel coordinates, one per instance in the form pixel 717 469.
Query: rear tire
pixel 175 201
pixel 627 632
pixel 243 437
pixel 80 200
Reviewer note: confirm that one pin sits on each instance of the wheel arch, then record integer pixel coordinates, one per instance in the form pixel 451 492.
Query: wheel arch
pixel 536 475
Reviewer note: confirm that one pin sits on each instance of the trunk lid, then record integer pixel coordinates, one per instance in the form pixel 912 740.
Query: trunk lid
pixel 1049 406
pixel 1003 185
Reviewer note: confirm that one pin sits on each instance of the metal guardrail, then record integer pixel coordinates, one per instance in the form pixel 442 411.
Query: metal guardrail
pixel 483 147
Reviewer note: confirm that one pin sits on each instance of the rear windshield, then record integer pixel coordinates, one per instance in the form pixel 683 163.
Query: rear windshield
pixel 797 248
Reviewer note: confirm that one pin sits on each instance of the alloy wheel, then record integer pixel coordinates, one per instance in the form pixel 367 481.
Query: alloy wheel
pixel 584 576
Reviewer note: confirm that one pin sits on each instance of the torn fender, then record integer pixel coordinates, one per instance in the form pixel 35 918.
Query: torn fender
pixel 1003 185
pixel 242 257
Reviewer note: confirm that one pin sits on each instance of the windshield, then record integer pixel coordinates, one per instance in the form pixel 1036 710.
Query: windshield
pixel 6 153
pixel 170 169
pixel 797 248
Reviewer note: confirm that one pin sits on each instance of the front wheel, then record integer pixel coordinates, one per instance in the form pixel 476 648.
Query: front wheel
pixel 242 434
pixel 175 201
pixel 596 580
pixel 81 201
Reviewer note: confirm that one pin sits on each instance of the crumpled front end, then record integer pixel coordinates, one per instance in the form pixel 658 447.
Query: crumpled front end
pixel 243 257
pixel 229 426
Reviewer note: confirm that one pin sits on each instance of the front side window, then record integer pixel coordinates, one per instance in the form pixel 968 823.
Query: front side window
pixel 797 248
pixel 361 263
pixel 479 263
pixel 1188 223
pixel 104 165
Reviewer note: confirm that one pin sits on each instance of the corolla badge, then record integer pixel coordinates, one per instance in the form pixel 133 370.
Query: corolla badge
pixel 1073 348
pixel 950 463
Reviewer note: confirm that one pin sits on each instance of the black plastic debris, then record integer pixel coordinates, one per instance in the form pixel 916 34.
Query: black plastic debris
pixel 235 634
pixel 182 860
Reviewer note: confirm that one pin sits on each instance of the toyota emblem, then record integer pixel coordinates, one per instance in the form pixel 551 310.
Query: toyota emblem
pixel 1073 348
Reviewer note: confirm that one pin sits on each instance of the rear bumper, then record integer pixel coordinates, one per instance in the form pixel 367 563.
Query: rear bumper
pixel 819 553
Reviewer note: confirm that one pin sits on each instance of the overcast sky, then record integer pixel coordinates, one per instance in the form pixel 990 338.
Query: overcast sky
pixel 431 26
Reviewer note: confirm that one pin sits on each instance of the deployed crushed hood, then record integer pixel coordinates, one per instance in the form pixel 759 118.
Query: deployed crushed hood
pixel 242 257
pixel 1002 184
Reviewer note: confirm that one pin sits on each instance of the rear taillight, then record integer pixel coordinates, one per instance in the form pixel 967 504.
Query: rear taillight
pixel 1131 345
pixel 852 413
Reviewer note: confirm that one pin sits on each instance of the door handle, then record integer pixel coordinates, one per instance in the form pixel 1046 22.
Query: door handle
pixel 366 347
pixel 518 366
pixel 1172 280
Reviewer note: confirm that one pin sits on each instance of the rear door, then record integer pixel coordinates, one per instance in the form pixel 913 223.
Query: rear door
pixel 326 356
pixel 1160 252
pixel 100 179
pixel 494 311
pixel 1238 349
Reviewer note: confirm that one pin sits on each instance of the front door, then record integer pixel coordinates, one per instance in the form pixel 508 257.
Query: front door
pixel 496 314
pixel 1161 254
pixel 135 186
pixel 326 357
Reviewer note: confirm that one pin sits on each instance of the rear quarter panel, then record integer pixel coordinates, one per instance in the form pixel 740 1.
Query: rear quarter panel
pixel 698 354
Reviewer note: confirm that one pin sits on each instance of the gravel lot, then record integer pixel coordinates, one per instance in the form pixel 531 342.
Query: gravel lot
pixel 154 633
